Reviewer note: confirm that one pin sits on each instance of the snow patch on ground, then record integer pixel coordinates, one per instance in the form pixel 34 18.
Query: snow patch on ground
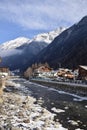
pixel 86 106
pixel 73 122
pixel 19 111
pixel 77 97
pixel 57 110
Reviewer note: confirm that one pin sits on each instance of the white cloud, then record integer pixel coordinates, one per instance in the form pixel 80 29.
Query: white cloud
pixel 6 53
pixel 43 14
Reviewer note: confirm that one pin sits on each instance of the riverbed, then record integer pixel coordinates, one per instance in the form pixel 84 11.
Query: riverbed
pixel 70 109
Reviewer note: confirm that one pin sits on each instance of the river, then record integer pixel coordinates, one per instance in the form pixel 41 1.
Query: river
pixel 70 109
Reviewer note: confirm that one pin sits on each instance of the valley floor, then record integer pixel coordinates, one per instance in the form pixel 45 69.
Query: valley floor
pixel 28 106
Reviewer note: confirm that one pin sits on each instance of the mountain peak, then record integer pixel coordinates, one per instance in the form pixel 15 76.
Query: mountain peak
pixel 48 37
pixel 44 37
pixel 83 20
pixel 14 43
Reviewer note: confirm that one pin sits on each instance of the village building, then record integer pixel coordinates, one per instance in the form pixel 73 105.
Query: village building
pixel 4 71
pixel 47 72
pixel 42 71
pixel 65 73
pixel 82 72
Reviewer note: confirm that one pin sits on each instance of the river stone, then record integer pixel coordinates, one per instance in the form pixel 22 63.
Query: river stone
pixel 36 128
pixel 1 128
pixel 1 100
pixel 26 121
pixel 16 128
pixel 1 91
pixel 20 114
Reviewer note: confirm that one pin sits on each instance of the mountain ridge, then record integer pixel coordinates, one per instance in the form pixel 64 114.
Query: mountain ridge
pixel 69 49
pixel 19 53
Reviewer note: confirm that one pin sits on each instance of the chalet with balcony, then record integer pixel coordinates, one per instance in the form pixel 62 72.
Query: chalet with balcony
pixel 82 72
pixel 41 71
pixel 65 73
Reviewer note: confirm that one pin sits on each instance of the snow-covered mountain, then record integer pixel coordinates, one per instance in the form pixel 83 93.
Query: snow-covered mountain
pixel 48 37
pixel 19 53
pixel 44 37
pixel 14 43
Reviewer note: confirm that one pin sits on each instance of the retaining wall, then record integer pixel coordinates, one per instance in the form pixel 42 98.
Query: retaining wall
pixel 79 89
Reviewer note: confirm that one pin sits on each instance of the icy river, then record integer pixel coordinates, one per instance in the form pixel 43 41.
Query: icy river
pixel 70 109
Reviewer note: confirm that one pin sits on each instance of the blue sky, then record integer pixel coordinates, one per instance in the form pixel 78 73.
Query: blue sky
pixel 30 17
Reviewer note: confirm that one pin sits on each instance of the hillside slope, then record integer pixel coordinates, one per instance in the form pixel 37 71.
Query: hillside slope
pixel 69 49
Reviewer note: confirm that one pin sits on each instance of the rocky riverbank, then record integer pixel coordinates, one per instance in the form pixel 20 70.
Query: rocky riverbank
pixel 20 112
pixel 2 85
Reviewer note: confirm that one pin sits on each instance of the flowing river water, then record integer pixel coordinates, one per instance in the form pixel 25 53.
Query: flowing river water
pixel 70 109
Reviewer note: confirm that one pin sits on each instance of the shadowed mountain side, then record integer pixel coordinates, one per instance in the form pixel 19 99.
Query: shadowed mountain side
pixel 69 49
pixel 24 59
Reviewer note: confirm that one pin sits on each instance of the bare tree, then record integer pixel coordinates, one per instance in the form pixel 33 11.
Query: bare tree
pixel 39 64
pixel 35 65
pixel 28 73
pixel 46 65
pixel 0 59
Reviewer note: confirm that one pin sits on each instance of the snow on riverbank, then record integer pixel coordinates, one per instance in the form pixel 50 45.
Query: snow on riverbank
pixel 75 96
pixel 20 112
